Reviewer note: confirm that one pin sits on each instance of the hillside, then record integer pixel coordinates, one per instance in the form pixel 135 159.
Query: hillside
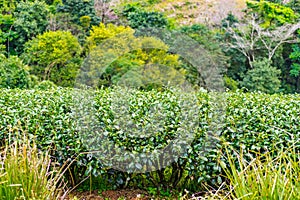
pixel 187 12
pixel 200 11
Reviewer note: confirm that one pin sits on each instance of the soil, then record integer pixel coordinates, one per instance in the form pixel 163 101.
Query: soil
pixel 110 194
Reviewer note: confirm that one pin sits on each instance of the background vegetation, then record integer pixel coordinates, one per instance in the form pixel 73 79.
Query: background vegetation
pixel 257 49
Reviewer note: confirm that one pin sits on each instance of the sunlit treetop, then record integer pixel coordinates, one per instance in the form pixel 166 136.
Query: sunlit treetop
pixel 271 14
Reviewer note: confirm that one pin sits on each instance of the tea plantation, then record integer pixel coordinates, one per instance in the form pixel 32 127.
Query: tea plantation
pixel 84 128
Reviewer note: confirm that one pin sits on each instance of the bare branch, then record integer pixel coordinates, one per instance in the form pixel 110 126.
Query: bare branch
pixel 104 10
pixel 248 38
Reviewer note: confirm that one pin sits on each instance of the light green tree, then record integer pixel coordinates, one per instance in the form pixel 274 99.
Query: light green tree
pixel 271 14
pixel 118 57
pixel 102 32
pixel 54 56
pixel 7 6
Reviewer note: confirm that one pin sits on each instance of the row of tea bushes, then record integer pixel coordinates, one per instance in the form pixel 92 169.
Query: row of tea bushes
pixel 262 123
pixel 122 135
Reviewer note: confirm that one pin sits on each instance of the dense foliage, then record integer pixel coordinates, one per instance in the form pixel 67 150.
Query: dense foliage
pixel 14 73
pixel 116 56
pixel 78 9
pixel 63 65
pixel 56 118
pixel 266 30
pixel 54 56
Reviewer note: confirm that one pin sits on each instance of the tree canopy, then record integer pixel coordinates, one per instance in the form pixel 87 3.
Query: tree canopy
pixel 144 41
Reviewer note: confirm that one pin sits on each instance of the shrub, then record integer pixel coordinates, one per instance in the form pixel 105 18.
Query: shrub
pixel 45 85
pixel 14 73
pixel 252 122
pixel 230 83
pixel 261 123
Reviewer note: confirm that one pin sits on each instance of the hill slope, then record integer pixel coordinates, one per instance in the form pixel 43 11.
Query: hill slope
pixel 187 12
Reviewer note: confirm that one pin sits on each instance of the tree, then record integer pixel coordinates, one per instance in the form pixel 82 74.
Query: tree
pixel 208 57
pixel 252 39
pixel 295 5
pixel 271 14
pixel 104 10
pixel 63 22
pixel 7 6
pixel 54 56
pixel 295 56
pixel 7 33
pixel 263 77
pixel 144 21
pixel 102 32
pixel 14 73
pixel 295 67
pixel 154 67
pixel 259 35
pixel 237 64
pixel 78 9
pixel 31 20
pixel 118 57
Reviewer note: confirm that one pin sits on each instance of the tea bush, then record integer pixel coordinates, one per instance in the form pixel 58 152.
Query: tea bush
pixel 76 122
pixel 261 122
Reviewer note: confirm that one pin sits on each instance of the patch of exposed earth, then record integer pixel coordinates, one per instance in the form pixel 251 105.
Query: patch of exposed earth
pixel 128 194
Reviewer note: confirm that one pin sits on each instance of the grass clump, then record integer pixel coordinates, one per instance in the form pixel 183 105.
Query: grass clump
pixel 27 173
pixel 265 177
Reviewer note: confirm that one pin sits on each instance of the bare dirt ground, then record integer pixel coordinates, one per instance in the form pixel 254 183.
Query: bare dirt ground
pixel 110 194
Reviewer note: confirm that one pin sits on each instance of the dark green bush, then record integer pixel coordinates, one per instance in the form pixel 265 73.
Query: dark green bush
pixel 61 119
pixel 145 21
pixel 14 73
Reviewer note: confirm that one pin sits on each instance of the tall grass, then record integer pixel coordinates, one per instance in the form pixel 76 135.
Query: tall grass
pixel 27 173
pixel 264 177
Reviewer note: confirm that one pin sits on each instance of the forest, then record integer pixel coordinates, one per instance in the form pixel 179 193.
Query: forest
pixel 50 41
pixel 149 99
